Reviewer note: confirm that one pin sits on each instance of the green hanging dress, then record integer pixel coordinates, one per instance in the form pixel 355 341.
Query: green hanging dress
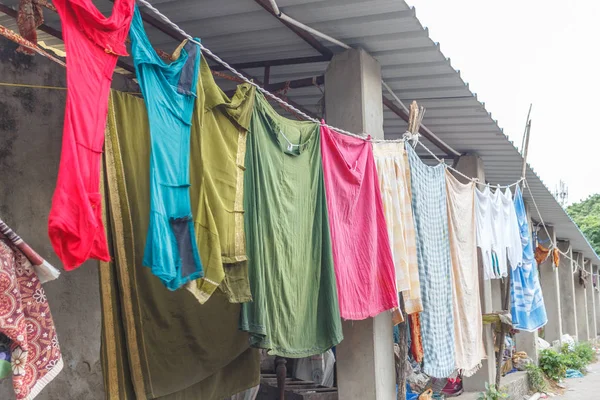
pixel 295 311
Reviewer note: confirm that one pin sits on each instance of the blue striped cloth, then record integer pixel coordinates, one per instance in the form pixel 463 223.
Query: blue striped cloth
pixel 527 301
pixel 433 254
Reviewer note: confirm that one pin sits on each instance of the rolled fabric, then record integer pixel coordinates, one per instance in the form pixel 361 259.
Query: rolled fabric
pixel 45 271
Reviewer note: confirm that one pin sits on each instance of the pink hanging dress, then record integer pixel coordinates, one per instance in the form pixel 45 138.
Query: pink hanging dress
pixel 362 256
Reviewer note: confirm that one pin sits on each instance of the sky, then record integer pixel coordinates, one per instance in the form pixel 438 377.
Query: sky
pixel 546 52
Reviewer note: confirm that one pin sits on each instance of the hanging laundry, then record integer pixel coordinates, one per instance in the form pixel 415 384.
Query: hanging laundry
pixel 416 344
pixel 158 343
pixel 541 254
pixel 394 179
pixel 466 301
pixel 527 301
pixel 582 278
pixel 512 235
pixel 483 202
pixel 169 93
pixel 506 244
pixel 44 270
pixel 497 232
pixel 219 128
pixel 428 187
pixel 26 320
pixel 30 16
pixel 364 267
pixel 556 257
pixel 93 43
pixel 295 311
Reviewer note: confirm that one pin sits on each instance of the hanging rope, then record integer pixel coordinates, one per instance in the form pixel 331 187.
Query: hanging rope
pixel 553 244
pixel 15 37
pixel 291 108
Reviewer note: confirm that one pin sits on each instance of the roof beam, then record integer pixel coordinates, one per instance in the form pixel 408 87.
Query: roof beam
pixel 297 83
pixel 274 63
pixel 166 29
pixel 58 34
pixel 302 34
pixel 320 80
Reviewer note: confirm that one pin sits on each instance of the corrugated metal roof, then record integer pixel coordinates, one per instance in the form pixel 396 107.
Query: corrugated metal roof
pixel 412 65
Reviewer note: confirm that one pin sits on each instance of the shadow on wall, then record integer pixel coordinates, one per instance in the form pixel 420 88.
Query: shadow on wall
pixel 31 122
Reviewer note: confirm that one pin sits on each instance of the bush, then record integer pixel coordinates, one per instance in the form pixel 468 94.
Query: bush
pixel 536 379
pixel 572 361
pixel 585 352
pixel 581 356
pixel 553 364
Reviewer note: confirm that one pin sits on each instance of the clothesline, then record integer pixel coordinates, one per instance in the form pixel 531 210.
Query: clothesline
pixel 286 105
pixel 15 37
pixel 476 180
pixel 553 244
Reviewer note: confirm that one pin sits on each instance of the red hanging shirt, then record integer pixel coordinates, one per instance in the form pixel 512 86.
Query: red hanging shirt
pixel 93 43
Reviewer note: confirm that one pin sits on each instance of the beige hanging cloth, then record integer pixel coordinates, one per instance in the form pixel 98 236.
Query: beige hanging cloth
pixel 394 179
pixel 469 350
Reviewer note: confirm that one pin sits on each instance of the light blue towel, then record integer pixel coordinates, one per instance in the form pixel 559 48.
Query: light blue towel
pixel 527 301
pixel 169 93
pixel 433 256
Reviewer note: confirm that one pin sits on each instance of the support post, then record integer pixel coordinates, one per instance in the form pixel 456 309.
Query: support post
pixel 579 310
pixel 597 300
pixel 567 290
pixel 365 358
pixel 281 371
pixel 472 165
pixel 591 302
pixel 552 288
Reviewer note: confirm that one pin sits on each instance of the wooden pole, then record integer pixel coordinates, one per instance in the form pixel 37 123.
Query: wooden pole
pixel 403 354
pixel 526 149
pixel 503 331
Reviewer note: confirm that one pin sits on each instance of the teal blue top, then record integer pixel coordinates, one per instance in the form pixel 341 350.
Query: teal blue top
pixel 169 93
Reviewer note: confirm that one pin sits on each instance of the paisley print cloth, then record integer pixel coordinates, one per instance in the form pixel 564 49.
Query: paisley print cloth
pixel 26 320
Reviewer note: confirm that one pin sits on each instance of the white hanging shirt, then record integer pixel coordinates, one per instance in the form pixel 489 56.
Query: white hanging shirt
pixel 483 213
pixel 512 238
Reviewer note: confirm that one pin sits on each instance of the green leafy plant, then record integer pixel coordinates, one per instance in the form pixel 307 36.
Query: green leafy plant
pixel 581 356
pixel 573 361
pixel 535 377
pixel 492 393
pixel 553 364
pixel 585 352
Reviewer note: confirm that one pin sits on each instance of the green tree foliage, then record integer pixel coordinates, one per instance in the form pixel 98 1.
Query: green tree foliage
pixel 586 215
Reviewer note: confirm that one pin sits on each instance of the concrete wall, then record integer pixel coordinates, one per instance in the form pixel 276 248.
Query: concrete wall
pixel 31 123
pixel 551 289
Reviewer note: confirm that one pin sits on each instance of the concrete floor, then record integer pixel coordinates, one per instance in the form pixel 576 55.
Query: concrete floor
pixel 584 388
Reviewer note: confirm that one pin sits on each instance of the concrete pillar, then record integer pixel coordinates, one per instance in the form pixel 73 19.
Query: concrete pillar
pixel 365 358
pixel 551 288
pixel 496 294
pixel 591 302
pixel 567 290
pixel 580 302
pixel 472 165
pixel 596 299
